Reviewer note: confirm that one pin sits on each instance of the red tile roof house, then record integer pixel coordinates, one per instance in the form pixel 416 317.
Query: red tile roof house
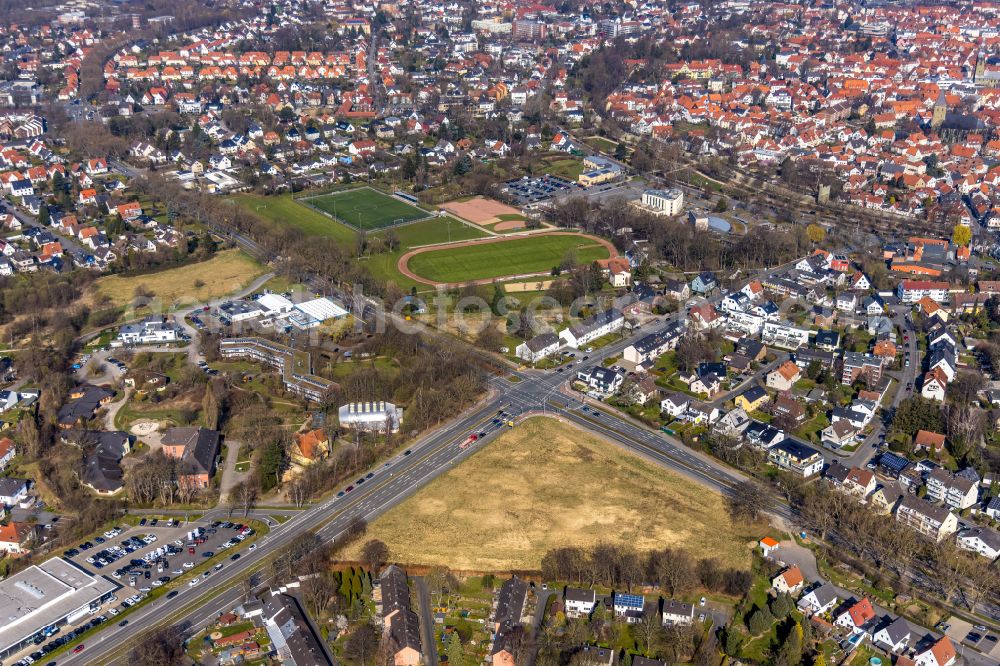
pixel 234 639
pixel 855 616
pixel 127 211
pixel 931 441
pixel 13 536
pixel 7 452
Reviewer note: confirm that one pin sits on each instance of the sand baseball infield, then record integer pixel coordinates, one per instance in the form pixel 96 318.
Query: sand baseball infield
pixel 480 210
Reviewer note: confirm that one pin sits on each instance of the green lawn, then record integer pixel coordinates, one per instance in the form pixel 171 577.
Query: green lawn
pixel 287 212
pixel 567 168
pixel 425 232
pixel 435 230
pixel 517 256
pixel 600 143
pixel 366 208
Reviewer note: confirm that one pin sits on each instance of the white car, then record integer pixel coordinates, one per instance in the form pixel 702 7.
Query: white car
pixel 178 542
pixel 112 611
pixel 253 546
pixel 188 565
pixel 194 581
pixel 177 572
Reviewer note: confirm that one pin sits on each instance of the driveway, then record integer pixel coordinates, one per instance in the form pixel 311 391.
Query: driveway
pixel 230 477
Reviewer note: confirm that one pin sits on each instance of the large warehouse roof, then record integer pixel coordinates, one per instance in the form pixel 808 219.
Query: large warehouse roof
pixel 321 309
pixel 45 594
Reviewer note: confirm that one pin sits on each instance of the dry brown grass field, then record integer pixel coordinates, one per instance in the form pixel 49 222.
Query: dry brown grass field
pixel 227 272
pixel 546 484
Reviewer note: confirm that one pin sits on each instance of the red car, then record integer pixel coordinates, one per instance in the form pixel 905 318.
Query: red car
pixel 78 649
pixel 349 489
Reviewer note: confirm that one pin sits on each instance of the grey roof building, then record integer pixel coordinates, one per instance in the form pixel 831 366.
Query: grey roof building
pixel 291 633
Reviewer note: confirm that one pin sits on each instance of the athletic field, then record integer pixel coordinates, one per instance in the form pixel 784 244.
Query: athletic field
pixel 365 209
pixel 504 258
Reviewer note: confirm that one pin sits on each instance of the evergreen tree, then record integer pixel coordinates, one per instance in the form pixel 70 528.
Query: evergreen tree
pixel 456 653
pixel 760 621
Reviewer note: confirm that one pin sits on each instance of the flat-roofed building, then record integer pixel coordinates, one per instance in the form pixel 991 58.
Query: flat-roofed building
pixel 54 592
pixel 663 202
pixel 295 366
pixel 371 416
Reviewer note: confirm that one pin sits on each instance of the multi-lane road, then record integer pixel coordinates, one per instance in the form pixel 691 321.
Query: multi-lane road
pixel 520 394
pixel 530 392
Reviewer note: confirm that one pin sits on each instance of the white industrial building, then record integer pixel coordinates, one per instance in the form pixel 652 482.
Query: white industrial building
pixel 274 304
pixel 664 202
pixel 371 416
pixel 315 312
pixel 54 592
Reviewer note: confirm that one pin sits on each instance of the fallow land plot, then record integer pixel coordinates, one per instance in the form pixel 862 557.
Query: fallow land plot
pixel 546 485
pixel 365 208
pixel 503 257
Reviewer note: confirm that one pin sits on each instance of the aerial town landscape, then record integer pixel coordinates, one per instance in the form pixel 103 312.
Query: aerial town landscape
pixel 514 333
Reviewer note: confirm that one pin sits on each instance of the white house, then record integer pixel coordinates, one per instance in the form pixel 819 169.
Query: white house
pixel 592 328
pixel 980 540
pixel 12 490
pixel 150 331
pixel 820 599
pixel 856 616
pixel 677 612
pixel 7 452
pixel 893 637
pixel 675 404
pixel 579 602
pixel 788 581
pixel 629 607
pixel 847 301
pixel 784 335
pixel 941 653
pixel 539 347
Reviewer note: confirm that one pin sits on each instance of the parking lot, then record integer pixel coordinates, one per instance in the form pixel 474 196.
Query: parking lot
pixel 527 190
pixel 966 635
pixel 142 558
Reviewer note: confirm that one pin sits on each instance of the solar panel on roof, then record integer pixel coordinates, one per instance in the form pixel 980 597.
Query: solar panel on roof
pixel 629 600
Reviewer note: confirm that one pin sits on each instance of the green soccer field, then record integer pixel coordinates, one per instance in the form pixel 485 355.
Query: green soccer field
pixel 365 208
pixel 518 256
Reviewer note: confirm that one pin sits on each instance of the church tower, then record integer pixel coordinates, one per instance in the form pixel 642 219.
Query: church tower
pixel 939 113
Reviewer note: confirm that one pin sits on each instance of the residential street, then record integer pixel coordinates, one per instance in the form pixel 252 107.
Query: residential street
pixel 426 622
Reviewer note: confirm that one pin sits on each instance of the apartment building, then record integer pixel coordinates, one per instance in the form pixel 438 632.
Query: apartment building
pixel 928 519
pixel 795 456
pixel 911 291
pixel 592 328
pixel 956 492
